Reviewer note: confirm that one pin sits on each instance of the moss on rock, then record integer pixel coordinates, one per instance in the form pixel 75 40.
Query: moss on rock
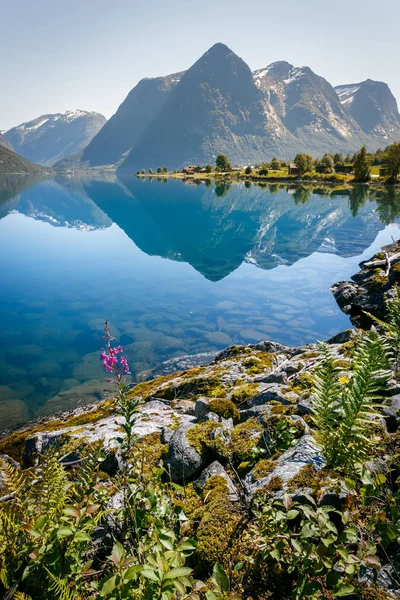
pixel 224 408
pixel 202 436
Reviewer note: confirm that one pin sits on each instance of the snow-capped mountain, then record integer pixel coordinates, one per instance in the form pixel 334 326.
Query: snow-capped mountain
pixel 372 105
pixel 52 137
pixel 4 141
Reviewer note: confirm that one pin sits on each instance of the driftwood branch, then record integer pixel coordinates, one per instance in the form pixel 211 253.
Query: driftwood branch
pixel 383 262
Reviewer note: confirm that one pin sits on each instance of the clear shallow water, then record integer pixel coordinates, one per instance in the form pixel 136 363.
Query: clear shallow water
pixel 178 269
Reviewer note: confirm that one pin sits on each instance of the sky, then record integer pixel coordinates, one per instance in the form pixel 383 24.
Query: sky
pixel 89 54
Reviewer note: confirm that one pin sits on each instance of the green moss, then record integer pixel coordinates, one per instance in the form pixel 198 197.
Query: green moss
pixel 396 267
pixel 343 364
pixel 280 409
pixel 378 278
pixel 245 437
pixel 210 386
pixel 259 363
pixel 312 354
pixel 225 409
pixel 274 485
pixel 202 436
pixel 148 453
pixel 301 385
pixel 216 532
pixel 234 351
pixel 263 468
pixel 372 592
pixel 245 392
pixel 304 478
pixel 348 348
pixel 148 388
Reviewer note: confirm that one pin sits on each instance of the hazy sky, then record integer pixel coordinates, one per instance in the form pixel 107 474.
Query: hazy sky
pixel 58 55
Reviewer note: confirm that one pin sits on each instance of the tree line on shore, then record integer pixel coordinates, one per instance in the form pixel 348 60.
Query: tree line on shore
pixel 336 165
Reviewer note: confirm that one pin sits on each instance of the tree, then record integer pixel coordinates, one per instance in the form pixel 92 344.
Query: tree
pixel 222 163
pixel 263 169
pixel 362 168
pixel 392 161
pixel 275 164
pixel 209 168
pixel 327 163
pixel 248 170
pixel 151 171
pixel 304 163
pixel 338 160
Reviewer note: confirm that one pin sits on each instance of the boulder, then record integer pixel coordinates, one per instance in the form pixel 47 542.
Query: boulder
pixel 182 460
pixel 391 412
pixel 216 469
pixel 289 464
pixel 271 391
pixel 153 417
pixel 279 377
pixel 201 408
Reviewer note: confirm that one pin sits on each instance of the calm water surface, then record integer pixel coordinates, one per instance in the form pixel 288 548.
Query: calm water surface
pixel 178 269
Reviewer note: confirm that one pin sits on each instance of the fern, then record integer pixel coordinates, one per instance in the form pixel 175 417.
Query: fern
pixel 392 326
pixel 21 596
pixel 345 417
pixel 60 588
pixel 326 402
pixel 50 490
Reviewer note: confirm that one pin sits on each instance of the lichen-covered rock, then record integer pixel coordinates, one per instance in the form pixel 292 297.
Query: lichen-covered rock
pixel 183 460
pixel 391 411
pixel 279 377
pixel 216 469
pixel 153 417
pixel 289 464
pixel 269 392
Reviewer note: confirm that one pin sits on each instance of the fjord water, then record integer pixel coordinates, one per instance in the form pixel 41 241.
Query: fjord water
pixel 178 269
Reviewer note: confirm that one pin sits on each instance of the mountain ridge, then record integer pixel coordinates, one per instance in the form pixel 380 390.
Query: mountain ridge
pixel 52 137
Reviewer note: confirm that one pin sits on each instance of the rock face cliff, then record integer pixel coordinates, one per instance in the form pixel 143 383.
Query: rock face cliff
pixel 50 138
pixel 371 287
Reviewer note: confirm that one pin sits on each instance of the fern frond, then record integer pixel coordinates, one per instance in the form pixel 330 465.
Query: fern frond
pixel 370 373
pixel 326 398
pixel 60 588
pixel 50 491
pixel 21 596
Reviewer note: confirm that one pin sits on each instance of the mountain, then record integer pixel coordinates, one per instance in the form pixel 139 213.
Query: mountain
pixel 372 105
pixel 13 164
pixel 50 138
pixel 124 129
pixel 309 108
pixel 219 105
pixel 4 142
pixel 216 107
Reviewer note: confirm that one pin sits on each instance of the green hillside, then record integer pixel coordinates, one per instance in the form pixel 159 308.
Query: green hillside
pixel 11 163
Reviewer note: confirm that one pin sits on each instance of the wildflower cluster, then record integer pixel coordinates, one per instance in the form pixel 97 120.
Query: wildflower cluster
pixel 111 362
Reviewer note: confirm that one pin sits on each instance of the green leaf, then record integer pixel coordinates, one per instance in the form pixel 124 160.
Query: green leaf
pixel 63 532
pixel 344 589
pixel 118 553
pixel 108 586
pixel 292 514
pixel 220 577
pixel 82 536
pixel 178 572
pixel 150 574
pixel 211 596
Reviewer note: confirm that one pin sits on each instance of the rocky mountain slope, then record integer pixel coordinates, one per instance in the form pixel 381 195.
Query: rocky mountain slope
pixel 124 129
pixel 218 105
pixel 4 142
pixel 372 105
pixel 50 138
pixel 14 164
